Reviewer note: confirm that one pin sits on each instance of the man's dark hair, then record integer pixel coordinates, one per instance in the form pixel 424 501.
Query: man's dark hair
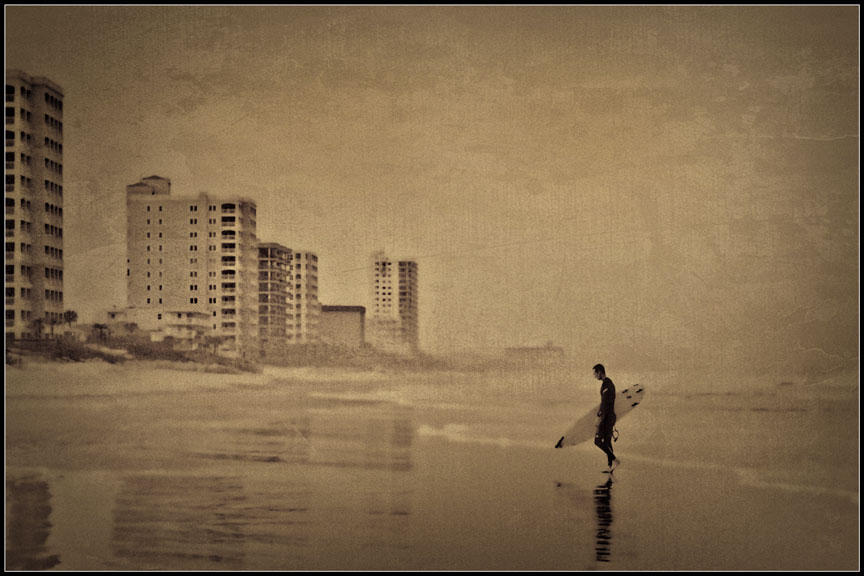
pixel 600 368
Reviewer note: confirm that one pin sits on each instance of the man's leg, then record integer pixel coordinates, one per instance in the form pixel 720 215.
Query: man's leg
pixel 604 442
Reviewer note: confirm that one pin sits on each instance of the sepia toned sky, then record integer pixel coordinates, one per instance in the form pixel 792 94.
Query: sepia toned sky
pixel 652 186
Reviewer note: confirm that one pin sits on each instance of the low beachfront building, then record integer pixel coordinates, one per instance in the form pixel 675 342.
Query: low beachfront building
pixel 343 326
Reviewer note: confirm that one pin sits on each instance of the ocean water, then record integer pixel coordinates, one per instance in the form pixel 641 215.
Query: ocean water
pixel 141 468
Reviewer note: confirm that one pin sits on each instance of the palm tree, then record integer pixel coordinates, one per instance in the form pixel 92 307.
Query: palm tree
pixel 212 342
pixel 54 321
pixel 70 317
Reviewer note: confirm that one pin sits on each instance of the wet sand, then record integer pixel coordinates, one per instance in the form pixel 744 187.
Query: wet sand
pixel 136 467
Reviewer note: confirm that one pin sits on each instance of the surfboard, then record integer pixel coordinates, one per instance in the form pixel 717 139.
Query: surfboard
pixel 585 427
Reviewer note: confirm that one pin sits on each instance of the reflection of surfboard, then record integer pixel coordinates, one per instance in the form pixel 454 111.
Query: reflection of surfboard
pixel 585 427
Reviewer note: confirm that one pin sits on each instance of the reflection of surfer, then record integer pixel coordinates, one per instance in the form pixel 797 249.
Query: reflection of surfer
pixel 606 414
pixel 603 507
pixel 582 500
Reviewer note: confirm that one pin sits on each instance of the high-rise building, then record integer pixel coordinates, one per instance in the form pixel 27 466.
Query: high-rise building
pixel 393 321
pixel 304 293
pixel 194 254
pixel 275 301
pixel 408 302
pixel 34 204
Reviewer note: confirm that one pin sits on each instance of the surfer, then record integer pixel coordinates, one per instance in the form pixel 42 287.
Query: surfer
pixel 606 414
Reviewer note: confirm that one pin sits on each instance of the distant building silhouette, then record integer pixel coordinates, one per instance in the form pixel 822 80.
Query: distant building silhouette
pixel 393 322
pixel 546 353
pixel 194 254
pixel 34 204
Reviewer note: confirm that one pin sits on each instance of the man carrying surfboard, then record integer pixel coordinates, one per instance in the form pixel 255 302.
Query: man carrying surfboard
pixel 606 415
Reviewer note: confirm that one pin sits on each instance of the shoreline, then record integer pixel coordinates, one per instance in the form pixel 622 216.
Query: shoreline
pixel 664 511
pixel 659 519
pixel 377 474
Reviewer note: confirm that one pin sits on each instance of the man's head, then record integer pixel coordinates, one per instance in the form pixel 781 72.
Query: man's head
pixel 599 372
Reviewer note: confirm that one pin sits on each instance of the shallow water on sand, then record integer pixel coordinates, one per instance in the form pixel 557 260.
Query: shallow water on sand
pixel 133 468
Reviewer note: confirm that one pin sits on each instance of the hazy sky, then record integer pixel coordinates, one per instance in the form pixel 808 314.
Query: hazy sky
pixel 645 185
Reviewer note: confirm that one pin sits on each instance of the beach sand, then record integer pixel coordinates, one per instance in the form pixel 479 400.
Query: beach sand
pixel 135 466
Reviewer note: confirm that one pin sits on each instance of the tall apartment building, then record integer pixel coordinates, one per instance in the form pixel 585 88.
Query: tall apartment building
pixel 193 254
pixel 304 293
pixel 393 321
pixel 275 299
pixel 34 203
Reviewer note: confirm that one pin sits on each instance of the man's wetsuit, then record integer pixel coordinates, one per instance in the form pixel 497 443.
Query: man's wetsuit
pixel 603 437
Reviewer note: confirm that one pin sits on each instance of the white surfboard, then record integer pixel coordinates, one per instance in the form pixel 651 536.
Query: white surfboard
pixel 585 427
